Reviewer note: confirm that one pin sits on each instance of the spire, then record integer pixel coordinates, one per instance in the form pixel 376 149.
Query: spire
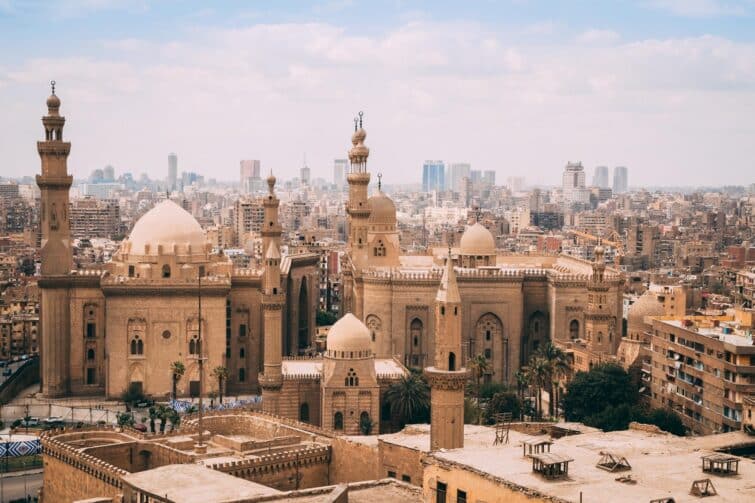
pixel 359 152
pixel 380 182
pixel 448 291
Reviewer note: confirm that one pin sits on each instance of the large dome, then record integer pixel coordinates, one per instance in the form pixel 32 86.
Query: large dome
pixel 167 225
pixel 348 335
pixel 477 240
pixel 382 209
pixel 647 305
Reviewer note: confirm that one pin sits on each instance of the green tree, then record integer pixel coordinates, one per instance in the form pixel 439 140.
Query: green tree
pixel 489 390
pixel 125 419
pixel 177 370
pixel 611 418
pixel 504 401
pixel 538 375
pixel 409 399
pixel 325 318
pixel 152 418
pixel 665 419
pixel 221 374
pixel 521 383
pixel 479 365
pixel 558 367
pixel 605 385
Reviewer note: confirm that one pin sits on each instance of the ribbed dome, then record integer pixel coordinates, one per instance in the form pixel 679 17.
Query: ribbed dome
pixel 348 334
pixel 477 240
pixel 647 305
pixel 382 209
pixel 167 224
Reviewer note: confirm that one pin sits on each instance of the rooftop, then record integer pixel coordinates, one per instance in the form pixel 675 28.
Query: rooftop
pixel 726 332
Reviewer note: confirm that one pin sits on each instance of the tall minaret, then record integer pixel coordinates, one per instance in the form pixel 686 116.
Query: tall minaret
pixel 54 183
pixel 358 207
pixel 599 322
pixel 273 300
pixel 446 378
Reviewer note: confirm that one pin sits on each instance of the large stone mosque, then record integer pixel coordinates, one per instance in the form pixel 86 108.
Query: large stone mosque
pixel 121 327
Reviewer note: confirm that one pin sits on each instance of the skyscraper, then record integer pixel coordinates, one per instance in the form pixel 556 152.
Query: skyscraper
pixel 433 176
pixel 340 168
pixel 108 174
pixel 600 178
pixel 250 175
pixel 304 174
pixel 620 179
pixel 488 177
pixel 456 173
pixel 573 184
pixel 172 171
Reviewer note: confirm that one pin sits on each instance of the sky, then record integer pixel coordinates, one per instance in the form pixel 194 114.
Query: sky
pixel 664 87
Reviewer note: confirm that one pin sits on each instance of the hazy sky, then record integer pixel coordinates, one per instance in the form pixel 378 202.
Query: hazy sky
pixel 665 87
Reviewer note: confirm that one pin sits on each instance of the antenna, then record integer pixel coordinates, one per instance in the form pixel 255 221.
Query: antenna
pixel 360 119
pixel 52 84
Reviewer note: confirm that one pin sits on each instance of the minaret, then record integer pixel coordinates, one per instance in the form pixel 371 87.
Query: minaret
pixel 271 380
pixel 54 183
pixel 446 378
pixel 358 207
pixel 598 318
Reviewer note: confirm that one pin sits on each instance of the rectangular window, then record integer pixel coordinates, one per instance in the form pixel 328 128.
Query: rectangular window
pixel 242 330
pixel 440 492
pixel 91 376
pixel 406 478
pixel 461 496
pixel 91 330
pixel 130 271
pixel 391 474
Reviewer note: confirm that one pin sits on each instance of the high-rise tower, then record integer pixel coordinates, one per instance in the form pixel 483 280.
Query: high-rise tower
pixel 358 207
pixel 172 171
pixel 54 183
pixel 272 304
pixel 446 378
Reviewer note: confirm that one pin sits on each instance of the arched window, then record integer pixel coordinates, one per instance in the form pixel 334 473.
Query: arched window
pixel 374 324
pixel 242 374
pixel 195 345
pixel 137 346
pixel 338 421
pixel 242 353
pixel 488 331
pixel 304 412
pixel 600 337
pixel 90 354
pixel 574 329
pixel 416 332
pixel 166 271
pixel 351 378
pixel 451 361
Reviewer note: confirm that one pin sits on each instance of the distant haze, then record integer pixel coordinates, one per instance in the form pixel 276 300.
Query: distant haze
pixel 668 91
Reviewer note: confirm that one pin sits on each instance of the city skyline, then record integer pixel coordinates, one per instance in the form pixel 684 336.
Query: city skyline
pixel 544 86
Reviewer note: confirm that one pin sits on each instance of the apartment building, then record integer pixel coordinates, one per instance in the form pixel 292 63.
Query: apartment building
pixel 703 367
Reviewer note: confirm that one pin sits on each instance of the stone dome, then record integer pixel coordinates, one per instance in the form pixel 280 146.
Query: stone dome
pixel 350 335
pixel 647 305
pixel 166 225
pixel 477 240
pixel 382 209
pixel 53 102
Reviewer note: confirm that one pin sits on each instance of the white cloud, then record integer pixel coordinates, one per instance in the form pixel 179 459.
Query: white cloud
pixel 666 108
pixel 702 8
pixel 596 36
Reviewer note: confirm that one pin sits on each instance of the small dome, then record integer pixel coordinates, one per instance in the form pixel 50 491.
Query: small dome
pixel 167 224
pixel 348 334
pixel 647 305
pixel 477 240
pixel 53 101
pixel 271 182
pixel 382 209
pixel 358 136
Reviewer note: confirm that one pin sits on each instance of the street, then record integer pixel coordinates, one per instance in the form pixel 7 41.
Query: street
pixel 16 486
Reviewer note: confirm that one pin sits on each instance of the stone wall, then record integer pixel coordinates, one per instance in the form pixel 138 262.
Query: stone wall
pixel 353 461
pixel 404 462
pixel 62 483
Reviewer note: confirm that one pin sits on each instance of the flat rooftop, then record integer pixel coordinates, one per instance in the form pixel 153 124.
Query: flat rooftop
pixel 195 484
pixel 663 465
pixel 736 337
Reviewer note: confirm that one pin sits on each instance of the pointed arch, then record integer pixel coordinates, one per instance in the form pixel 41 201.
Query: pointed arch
pixel 303 299
pixel 536 335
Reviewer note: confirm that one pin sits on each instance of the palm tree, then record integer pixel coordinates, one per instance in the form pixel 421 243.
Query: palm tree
pixel 538 375
pixel 558 363
pixel 177 370
pixel 221 374
pixel 521 382
pixel 479 365
pixel 409 398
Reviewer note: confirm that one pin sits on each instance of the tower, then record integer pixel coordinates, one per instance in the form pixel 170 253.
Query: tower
pixel 446 378
pixel 272 305
pixel 54 183
pixel 172 171
pixel 600 324
pixel 358 207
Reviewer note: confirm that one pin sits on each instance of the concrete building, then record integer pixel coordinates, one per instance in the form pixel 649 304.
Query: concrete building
pixel 95 218
pixel 573 185
pixel 305 175
pixel 600 177
pixel 340 168
pixel 172 171
pixel 250 179
pixel 146 300
pixel 433 176
pixel 702 368
pixel 248 216
pixel 620 180
pixel 457 172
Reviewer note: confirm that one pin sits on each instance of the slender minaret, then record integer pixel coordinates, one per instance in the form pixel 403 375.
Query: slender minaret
pixel 598 318
pixel 446 379
pixel 57 260
pixel 358 207
pixel 271 380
